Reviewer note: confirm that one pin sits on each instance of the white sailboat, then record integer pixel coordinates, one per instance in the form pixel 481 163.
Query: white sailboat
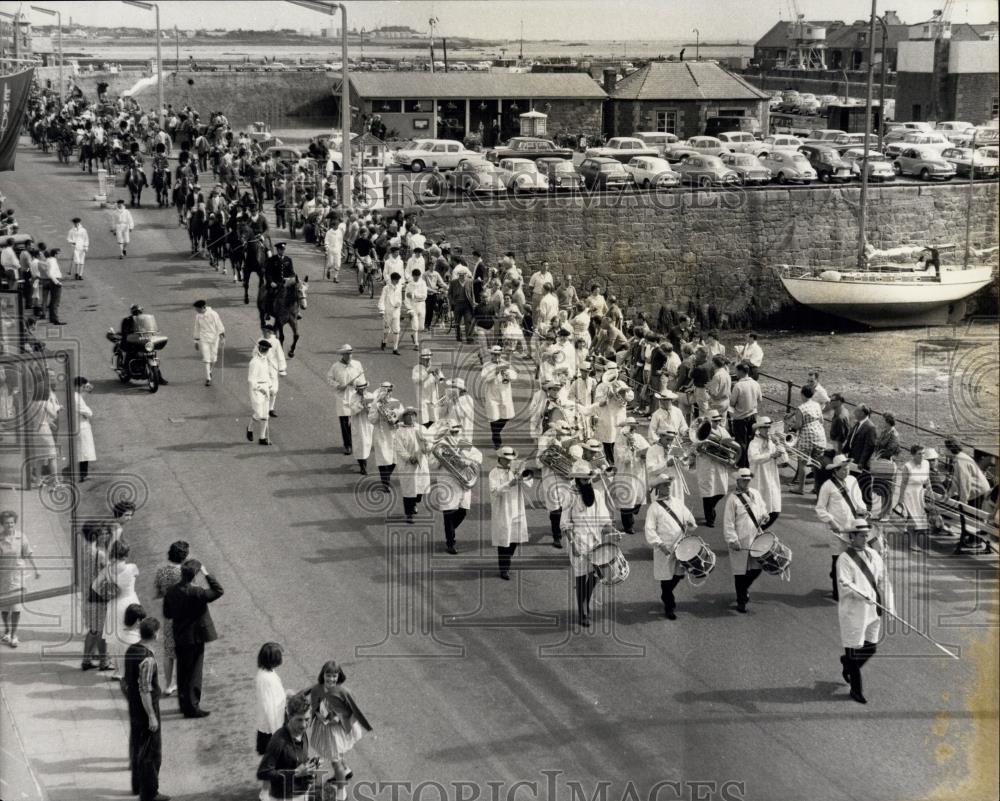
pixel 884 296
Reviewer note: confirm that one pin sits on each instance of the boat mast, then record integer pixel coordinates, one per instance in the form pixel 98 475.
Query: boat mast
pixel 968 210
pixel 863 209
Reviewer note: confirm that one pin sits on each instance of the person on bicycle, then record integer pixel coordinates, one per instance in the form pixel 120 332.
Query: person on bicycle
pixel 437 290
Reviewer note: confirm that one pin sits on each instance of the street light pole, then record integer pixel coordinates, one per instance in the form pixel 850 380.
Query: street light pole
pixel 881 86
pixel 159 54
pixel 58 16
pixel 697 43
pixel 347 193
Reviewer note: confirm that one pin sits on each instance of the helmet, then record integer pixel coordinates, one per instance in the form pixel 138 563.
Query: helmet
pixel 136 309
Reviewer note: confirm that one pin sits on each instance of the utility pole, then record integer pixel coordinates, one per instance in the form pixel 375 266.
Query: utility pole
pixel 177 50
pixel 863 205
pixel 521 54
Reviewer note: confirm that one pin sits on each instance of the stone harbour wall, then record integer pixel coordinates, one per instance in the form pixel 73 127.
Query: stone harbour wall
pixel 713 253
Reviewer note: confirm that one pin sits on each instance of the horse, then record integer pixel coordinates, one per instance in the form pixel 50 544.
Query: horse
pixel 181 191
pixel 254 258
pixel 234 247
pixel 135 180
pixel 161 183
pixel 288 301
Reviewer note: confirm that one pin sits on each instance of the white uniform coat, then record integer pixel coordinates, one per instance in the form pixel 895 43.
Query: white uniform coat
pixel 208 328
pixel 454 495
pixel 392 265
pixel 276 360
pixel 123 224
pixel 497 393
pixel 610 415
pixel 662 419
pixel 383 434
pixel 739 528
pixel 586 526
pixel 761 453
pixel 656 464
pixel 508 522
pixel 713 475
pixel 341 377
pixel 85 451
pixel 459 409
pixel 661 528
pixel 425 387
pixel 859 620
pixel 361 426
pixel 80 240
pixel 557 491
pixel 629 484
pixel 412 445
pixel 832 508
pixel 259 381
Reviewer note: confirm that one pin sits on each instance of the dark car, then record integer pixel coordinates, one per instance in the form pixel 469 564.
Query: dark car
pixel 604 172
pixel 829 165
pixel 561 173
pixel 528 147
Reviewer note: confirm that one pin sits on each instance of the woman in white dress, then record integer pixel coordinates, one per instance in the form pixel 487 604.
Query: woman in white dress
pixel 915 479
pixel 271 700
pixel 85 451
pixel 116 584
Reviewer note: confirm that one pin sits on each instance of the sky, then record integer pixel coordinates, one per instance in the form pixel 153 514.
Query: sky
pixel 568 20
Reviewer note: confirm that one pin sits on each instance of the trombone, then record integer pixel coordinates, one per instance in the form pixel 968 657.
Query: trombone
pixel 788 442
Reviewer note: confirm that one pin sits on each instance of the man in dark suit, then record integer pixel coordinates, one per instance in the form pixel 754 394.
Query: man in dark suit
pixel 860 447
pixel 187 606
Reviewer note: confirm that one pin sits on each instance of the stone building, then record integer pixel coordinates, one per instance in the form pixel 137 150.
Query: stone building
pixel 678 96
pixel 454 104
pixel 944 79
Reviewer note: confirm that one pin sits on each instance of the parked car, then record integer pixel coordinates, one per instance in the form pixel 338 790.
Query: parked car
pixel 826 161
pixel 789 167
pixel 879 165
pixel 955 130
pixel 446 153
pixel 482 66
pixel 651 172
pixel 460 66
pixel 716 125
pixel 707 145
pixel 706 171
pixel 522 175
pixel 748 168
pixel 779 143
pixel 826 135
pixel 286 157
pixel 604 172
pixel 560 172
pixel 925 162
pixel 931 139
pixel 622 148
pixel 808 105
pixel 857 140
pixel 658 139
pixel 475 177
pixel 740 142
pixel 333 66
pixel 528 147
pixel 961 158
pixel 275 66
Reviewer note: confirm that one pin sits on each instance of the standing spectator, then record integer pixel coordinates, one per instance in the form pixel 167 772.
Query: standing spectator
pixel 820 395
pixel 286 765
pixel 969 486
pixel 123 224
pixel 753 353
pixel 94 558
pixel 745 398
pixel 860 447
pixel 840 424
pixel 51 278
pixel 166 577
pixel 812 437
pixel 14 550
pixel 338 724
pixel 142 689
pixel 187 606
pixel 259 383
pixel 208 333
pixel 271 698
pixel 80 240
pixel 463 305
pixel 116 584
pixel 85 451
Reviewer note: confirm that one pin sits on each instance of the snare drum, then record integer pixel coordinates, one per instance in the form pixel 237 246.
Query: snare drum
pixel 774 557
pixel 698 559
pixel 610 563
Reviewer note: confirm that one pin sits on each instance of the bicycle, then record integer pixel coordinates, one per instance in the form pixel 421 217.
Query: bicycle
pixel 367 270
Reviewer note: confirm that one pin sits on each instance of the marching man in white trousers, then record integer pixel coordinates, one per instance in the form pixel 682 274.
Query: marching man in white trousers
pixel 123 225
pixel 208 333
pixel 259 380
pixel 80 240
pixel 279 367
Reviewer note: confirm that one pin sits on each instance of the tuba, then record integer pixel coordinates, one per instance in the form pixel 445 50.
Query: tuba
pixel 465 471
pixel 556 457
pixel 714 446
pixel 387 412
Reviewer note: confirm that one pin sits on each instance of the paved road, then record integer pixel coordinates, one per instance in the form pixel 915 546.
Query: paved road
pixel 465 677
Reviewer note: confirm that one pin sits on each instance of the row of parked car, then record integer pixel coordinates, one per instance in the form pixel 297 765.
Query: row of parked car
pixel 790 101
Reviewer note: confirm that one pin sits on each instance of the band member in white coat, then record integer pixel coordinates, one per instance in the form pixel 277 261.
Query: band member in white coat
pixel 508 521
pixel 839 504
pixel 556 488
pixel 384 415
pixel 361 426
pixel 456 407
pixel 713 475
pixel 497 376
pixel 664 456
pixel 667 522
pixel 80 239
pixel 764 456
pixel 279 367
pixel 122 225
pixel 426 380
pixel 545 408
pixel 668 415
pixel 390 306
pixel 864 582
pixel 455 498
pixel 259 380
pixel 341 376
pixel 208 333
pixel 611 398
pixel 586 523
pixel 580 392
pixel 743 517
pixel 412 447
pixel 85 451
pixel 628 487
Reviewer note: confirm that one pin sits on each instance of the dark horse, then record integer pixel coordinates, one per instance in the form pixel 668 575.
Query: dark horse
pixel 181 191
pixel 161 183
pixel 288 301
pixel 135 180
pixel 254 256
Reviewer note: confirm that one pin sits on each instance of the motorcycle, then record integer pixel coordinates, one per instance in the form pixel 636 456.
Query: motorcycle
pixel 140 362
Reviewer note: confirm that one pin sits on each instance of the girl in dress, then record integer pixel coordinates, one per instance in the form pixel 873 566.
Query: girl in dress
pixel 337 723
pixel 916 475
pixel 166 577
pixel 116 584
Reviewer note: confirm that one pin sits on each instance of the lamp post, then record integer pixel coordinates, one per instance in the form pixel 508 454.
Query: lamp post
pixel 347 193
pixel 58 17
pixel 697 43
pixel 159 55
pixel 881 86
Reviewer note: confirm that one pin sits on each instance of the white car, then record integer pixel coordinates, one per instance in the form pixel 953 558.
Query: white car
pixel 955 130
pixel 707 145
pixel 482 66
pixel 425 153
pixel 931 139
pixel 275 66
pixel 741 142
pixel 623 148
pixel 789 167
pixel 879 166
pixel 460 66
pixel 657 139
pixel 985 162
pixel 648 171
pixel 522 175
pixel 780 143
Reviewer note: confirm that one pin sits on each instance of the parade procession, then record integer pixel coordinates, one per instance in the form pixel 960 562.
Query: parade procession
pixel 559 455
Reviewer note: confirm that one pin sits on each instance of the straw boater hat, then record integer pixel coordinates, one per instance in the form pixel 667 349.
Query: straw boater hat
pixel 457 383
pixel 663 478
pixel 763 422
pixel 506 452
pixel 628 421
pixel 360 383
pixel 744 472
pixel 840 460
pixel 714 415
pixel 345 349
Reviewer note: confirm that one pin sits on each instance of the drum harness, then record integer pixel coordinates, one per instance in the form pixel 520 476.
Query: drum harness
pixel 785 574
pixel 867 573
pixel 694 582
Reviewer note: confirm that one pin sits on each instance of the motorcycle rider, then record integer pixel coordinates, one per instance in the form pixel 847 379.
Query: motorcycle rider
pixel 126 346
pixel 278 272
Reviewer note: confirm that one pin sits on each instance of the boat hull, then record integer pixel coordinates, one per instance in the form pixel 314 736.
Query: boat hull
pixel 882 303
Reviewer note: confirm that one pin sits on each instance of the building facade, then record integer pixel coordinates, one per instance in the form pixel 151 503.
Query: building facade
pixel 942 79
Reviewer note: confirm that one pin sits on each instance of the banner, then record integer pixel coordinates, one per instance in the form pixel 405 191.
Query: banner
pixel 14 90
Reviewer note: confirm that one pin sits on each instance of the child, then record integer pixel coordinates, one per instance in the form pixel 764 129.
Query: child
pixel 337 723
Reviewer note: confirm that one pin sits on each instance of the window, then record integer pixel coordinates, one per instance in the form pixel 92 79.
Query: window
pixel 666 121
pixel 995 107
pixel 452 148
pixel 387 106
pixel 732 112
pixel 417 106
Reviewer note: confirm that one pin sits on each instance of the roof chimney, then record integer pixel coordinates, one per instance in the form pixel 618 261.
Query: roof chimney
pixel 610 79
